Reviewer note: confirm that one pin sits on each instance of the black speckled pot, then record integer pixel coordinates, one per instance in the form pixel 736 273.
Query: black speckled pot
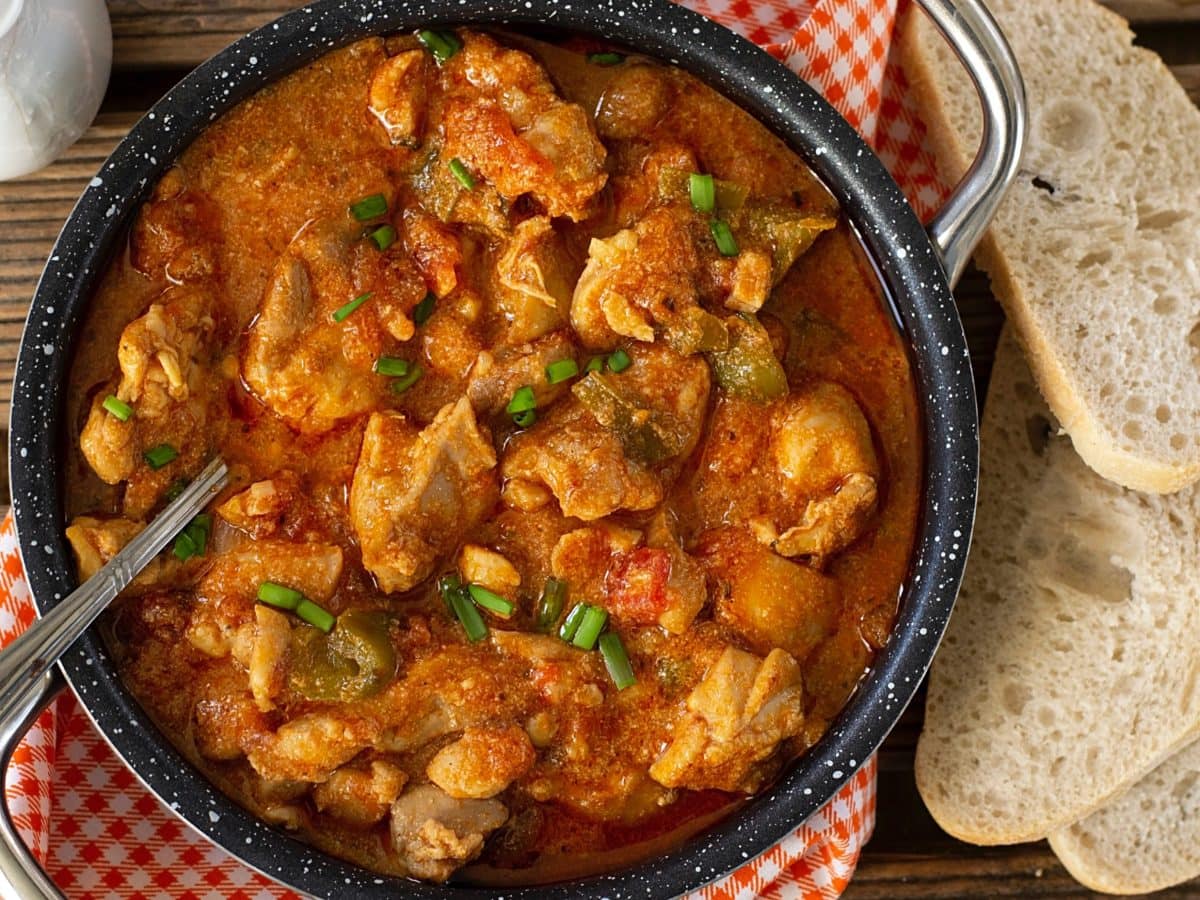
pixel 895 240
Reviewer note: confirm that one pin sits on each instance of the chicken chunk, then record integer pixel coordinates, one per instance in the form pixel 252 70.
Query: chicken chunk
pixel 483 762
pixel 822 447
pixel 313 568
pixel 314 371
pixel 581 462
pixel 163 363
pixel 534 648
pixel 161 353
pixel 434 834
pixel 801 473
pixel 435 248
pixel 361 795
pixel 309 747
pixel 830 523
pixel 397 96
pixel 750 282
pixel 432 719
pixel 226 620
pixel 634 101
pixel 608 447
pixel 504 120
pixel 414 493
pixel 225 718
pixel 497 374
pixel 268 656
pixel 534 277
pixel 736 717
pixel 260 509
pixel 641 282
pixel 176 233
pixel 96 541
pixel 483 566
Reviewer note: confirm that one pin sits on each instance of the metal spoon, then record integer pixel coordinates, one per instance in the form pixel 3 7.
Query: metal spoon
pixel 26 664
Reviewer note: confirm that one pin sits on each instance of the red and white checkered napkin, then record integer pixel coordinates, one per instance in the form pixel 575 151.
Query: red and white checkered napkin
pixel 99 833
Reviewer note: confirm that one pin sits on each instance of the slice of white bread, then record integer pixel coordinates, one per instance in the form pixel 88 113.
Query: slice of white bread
pixel 1070 666
pixel 1094 252
pixel 1145 840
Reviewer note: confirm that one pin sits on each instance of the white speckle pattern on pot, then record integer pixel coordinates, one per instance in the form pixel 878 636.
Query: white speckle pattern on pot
pixel 891 233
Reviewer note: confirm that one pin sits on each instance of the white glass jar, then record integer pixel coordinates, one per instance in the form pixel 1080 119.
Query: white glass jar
pixel 55 57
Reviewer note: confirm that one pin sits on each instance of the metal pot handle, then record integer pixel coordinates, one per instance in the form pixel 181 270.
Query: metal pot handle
pixel 21 877
pixel 981 46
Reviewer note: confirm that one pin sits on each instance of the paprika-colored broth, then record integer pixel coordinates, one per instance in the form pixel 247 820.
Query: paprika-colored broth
pixel 575 455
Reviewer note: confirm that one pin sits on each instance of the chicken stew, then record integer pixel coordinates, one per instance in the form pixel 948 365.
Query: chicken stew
pixel 575 452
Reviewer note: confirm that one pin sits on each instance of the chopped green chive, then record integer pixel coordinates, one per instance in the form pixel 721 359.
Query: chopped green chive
pixel 159 456
pixel 459 170
pixel 291 600
pixel 490 601
pixel 369 207
pixel 606 59
pixel 459 603
pixel 400 385
pixel 468 615
pixel 523 407
pixel 550 606
pixel 522 400
pixel 423 310
pixel 704 193
pixel 193 540
pixel 723 237
pixel 619 361
pixel 118 408
pixel 392 365
pixel 342 312
pixel 560 370
pixel 185 547
pixel 278 596
pixel 571 625
pixel 316 616
pixel 616 660
pixel 595 364
pixel 383 236
pixel 201 528
pixel 589 628
pixel 442 44
pixel 448 585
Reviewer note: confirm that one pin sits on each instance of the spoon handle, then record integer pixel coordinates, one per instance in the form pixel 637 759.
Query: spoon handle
pixel 30 656
pixel 29 681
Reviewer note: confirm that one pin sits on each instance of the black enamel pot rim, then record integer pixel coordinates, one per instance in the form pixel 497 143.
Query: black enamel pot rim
pixel 908 266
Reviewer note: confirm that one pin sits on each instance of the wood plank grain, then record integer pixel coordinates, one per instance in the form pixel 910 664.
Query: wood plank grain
pixel 1156 10
pixel 32 211
pixel 148 35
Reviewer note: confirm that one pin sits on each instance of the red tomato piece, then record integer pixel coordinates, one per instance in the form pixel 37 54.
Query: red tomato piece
pixel 637 585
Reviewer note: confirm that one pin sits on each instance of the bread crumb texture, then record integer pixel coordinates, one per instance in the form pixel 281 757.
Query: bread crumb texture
pixel 1094 252
pixel 1069 669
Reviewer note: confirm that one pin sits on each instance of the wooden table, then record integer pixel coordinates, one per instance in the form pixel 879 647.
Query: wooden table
pixel 157 41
